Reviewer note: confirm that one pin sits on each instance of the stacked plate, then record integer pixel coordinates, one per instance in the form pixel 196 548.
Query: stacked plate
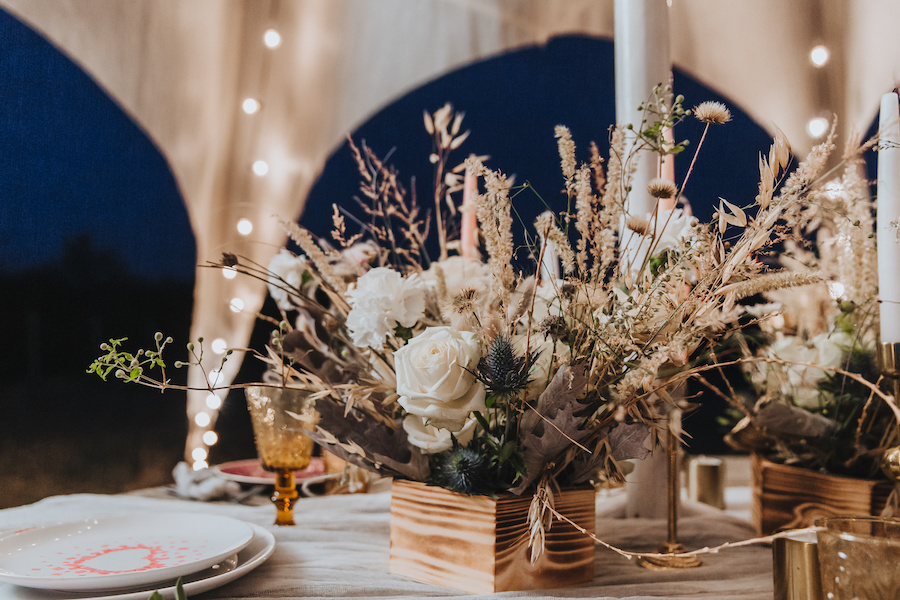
pixel 127 558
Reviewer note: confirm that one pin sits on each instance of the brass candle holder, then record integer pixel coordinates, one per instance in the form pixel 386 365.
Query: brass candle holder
pixel 890 368
pixel 672 550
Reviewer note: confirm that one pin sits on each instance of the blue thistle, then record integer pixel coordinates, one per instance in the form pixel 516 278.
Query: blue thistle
pixel 502 372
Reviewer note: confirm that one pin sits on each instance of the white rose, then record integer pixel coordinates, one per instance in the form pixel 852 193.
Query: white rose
pixel 794 350
pixel 831 347
pixel 285 268
pixel 431 439
pixel 380 300
pixel 434 377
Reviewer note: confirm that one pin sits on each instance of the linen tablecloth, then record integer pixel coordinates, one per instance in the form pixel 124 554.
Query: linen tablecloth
pixel 339 549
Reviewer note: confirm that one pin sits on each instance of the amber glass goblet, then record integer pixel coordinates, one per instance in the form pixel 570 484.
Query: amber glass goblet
pixel 281 416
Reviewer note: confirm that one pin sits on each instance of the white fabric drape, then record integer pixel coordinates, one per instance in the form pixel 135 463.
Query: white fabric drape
pixel 181 69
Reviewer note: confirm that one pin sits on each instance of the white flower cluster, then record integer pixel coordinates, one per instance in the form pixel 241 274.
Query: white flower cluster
pixel 286 270
pixel 799 381
pixel 381 299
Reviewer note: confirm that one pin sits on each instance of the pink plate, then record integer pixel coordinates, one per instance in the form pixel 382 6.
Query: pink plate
pixel 251 471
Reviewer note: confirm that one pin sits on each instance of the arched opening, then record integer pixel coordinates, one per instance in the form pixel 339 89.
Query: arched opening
pixel 94 239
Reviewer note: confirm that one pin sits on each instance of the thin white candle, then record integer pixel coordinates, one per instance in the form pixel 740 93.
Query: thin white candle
pixel 549 260
pixel 641 47
pixel 642 61
pixel 888 203
pixel 469 226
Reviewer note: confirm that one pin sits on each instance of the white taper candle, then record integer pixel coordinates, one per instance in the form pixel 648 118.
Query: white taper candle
pixel 888 203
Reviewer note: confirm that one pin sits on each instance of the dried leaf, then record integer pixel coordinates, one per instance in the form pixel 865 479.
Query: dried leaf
pixel 367 442
pixel 552 426
pixel 627 441
pixel 782 419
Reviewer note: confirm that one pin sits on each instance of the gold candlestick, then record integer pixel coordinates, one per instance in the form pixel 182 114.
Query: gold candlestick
pixel 672 547
pixel 890 368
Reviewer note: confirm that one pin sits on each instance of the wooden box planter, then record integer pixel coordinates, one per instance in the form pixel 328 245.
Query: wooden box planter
pixel 787 497
pixel 480 544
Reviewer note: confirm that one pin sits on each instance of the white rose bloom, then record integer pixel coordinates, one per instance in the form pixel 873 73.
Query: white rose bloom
pixel 290 269
pixel 434 377
pixel 380 300
pixel 431 439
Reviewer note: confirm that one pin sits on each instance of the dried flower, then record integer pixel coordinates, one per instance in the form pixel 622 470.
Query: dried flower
pixel 712 113
pixel 662 188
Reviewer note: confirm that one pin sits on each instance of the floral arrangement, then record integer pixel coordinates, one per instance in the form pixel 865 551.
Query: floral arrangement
pixel 816 403
pixel 460 369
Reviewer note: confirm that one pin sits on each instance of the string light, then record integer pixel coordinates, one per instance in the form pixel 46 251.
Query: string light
pixel 272 38
pixel 819 56
pixel 260 167
pixel 244 226
pixel 219 346
pixel 213 401
pixel 250 106
pixel 817 127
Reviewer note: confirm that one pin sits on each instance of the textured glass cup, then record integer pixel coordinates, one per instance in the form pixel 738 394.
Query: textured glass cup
pixel 280 416
pixel 859 557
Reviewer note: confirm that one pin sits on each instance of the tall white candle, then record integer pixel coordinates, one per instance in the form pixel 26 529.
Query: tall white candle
pixel 888 217
pixel 468 231
pixel 549 260
pixel 642 61
pixel 641 46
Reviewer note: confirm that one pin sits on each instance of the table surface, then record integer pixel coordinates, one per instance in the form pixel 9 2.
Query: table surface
pixel 339 549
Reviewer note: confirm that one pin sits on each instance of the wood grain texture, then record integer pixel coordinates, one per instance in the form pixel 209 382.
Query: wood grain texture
pixel 786 497
pixel 480 545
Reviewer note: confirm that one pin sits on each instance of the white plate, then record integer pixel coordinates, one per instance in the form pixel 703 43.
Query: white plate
pixel 259 549
pixel 119 552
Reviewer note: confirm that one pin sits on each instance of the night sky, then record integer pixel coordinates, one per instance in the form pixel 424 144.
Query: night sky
pixel 74 166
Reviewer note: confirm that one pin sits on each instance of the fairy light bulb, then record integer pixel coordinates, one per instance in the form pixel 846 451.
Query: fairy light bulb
pixel 210 438
pixel 244 226
pixel 213 402
pixel 817 127
pixel 819 55
pixel 219 345
pixel 236 305
pixel 250 106
pixel 260 167
pixel 201 419
pixel 229 272
pixel 272 38
pixel 199 454
pixel 200 464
